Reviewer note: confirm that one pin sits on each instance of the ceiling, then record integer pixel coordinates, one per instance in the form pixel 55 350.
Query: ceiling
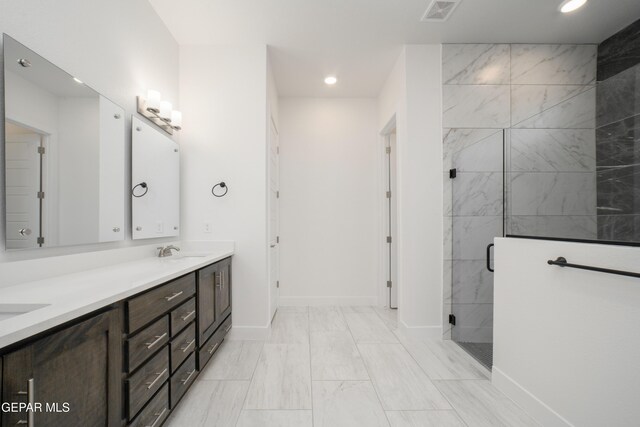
pixel 359 40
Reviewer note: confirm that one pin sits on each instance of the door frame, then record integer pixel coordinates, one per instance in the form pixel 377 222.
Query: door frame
pixel 272 310
pixel 383 228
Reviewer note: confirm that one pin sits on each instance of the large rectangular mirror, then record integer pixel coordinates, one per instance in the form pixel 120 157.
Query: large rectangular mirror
pixel 155 174
pixel 64 156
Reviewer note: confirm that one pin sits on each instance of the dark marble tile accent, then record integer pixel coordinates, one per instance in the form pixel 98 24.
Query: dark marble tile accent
pixel 619 228
pixel 618 144
pixel 618 98
pixel 618 190
pixel 619 52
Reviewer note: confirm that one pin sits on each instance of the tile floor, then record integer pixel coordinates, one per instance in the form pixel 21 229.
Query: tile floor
pixel 343 366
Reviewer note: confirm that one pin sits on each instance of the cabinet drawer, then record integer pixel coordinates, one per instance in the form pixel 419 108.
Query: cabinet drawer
pixel 146 381
pixel 210 347
pixel 182 346
pixel 146 342
pixel 148 306
pixel 181 316
pixel 156 411
pixel 182 379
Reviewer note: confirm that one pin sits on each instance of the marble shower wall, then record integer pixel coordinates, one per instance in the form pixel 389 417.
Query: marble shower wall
pixel 542 97
pixel 618 136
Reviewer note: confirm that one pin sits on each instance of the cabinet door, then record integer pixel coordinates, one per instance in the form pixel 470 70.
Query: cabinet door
pixel 78 366
pixel 207 279
pixel 223 290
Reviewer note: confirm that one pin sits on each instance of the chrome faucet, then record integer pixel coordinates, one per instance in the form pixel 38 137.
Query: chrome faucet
pixel 164 251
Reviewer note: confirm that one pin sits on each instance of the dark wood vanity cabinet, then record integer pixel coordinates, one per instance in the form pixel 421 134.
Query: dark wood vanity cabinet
pixel 78 366
pixel 214 298
pixel 128 365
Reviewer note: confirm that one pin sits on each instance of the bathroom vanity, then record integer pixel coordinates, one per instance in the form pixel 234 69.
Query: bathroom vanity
pixel 114 346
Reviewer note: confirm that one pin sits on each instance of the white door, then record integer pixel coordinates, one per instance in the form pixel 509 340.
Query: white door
pixel 393 215
pixel 274 218
pixel 22 187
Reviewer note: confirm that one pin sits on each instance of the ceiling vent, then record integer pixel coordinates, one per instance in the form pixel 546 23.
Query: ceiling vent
pixel 440 10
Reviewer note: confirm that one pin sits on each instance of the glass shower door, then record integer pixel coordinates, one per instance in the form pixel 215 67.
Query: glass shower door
pixel 477 218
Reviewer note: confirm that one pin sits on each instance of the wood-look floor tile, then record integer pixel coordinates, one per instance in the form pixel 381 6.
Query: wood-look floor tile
pixel 399 381
pixel 334 356
pixel 480 404
pixel 326 319
pixel 234 360
pixel 290 328
pixel 346 404
pixel 369 328
pixel 270 418
pixel 424 419
pixel 282 379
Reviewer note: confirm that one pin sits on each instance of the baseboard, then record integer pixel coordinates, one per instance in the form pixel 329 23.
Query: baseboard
pixel 421 332
pixel 248 333
pixel 527 401
pixel 320 301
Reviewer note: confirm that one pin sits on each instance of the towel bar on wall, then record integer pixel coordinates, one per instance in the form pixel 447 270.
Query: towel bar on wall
pixel 562 262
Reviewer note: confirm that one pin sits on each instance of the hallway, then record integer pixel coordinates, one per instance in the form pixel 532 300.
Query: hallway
pixel 343 366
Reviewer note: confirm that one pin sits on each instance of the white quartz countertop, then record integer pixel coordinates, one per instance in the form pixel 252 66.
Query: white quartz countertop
pixel 70 296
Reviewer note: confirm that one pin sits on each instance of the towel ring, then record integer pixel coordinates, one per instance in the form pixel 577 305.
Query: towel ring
pixel 221 185
pixel 141 185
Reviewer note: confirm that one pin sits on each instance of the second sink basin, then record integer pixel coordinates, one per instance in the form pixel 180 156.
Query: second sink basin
pixel 8 311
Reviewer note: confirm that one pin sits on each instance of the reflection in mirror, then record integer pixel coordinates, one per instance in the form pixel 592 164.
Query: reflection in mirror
pixel 155 177
pixel 64 156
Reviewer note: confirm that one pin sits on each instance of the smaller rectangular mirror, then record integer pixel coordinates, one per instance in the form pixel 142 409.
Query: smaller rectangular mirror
pixel 155 178
pixel 64 156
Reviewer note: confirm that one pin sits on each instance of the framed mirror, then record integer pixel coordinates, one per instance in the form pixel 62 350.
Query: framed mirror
pixel 155 177
pixel 64 156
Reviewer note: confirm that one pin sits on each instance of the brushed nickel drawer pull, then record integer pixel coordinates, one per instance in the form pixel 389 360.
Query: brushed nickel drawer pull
pixel 191 313
pixel 214 348
pixel 160 375
pixel 186 380
pixel 159 417
pixel 30 421
pixel 176 295
pixel 158 339
pixel 192 342
pixel 228 329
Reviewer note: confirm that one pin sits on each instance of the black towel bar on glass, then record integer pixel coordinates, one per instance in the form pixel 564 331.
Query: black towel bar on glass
pixel 562 262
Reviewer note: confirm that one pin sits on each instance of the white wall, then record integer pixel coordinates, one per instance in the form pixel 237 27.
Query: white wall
pixel 329 150
pixel 223 95
pixel 120 48
pixel 413 92
pixel 566 341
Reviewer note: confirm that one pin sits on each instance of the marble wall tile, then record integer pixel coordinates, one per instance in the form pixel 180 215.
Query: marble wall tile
pixel 552 150
pixel 472 234
pixel 447 195
pixel 619 52
pixel 618 190
pixel 486 155
pixel 471 282
pixel 562 226
pixel 473 106
pixel 621 228
pixel 447 279
pixel 529 101
pixel 550 193
pixel 477 194
pixel 447 241
pixel 474 322
pixel 475 63
pixel 577 112
pixel 618 98
pixel 459 139
pixel 553 64
pixel 618 144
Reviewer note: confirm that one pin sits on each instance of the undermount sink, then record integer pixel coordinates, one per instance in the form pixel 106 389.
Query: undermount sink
pixel 185 257
pixel 8 311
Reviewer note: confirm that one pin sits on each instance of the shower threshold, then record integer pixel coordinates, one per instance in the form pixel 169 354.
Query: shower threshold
pixel 482 352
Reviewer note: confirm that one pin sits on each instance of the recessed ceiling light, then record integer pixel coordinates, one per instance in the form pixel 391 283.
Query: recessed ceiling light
pixel 77 80
pixel 571 5
pixel 330 80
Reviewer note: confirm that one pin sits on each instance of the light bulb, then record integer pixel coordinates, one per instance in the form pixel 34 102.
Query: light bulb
pixel 153 101
pixel 165 110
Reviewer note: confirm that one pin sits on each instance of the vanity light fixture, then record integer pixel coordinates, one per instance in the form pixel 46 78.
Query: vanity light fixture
pixel 570 5
pixel 330 80
pixel 160 112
